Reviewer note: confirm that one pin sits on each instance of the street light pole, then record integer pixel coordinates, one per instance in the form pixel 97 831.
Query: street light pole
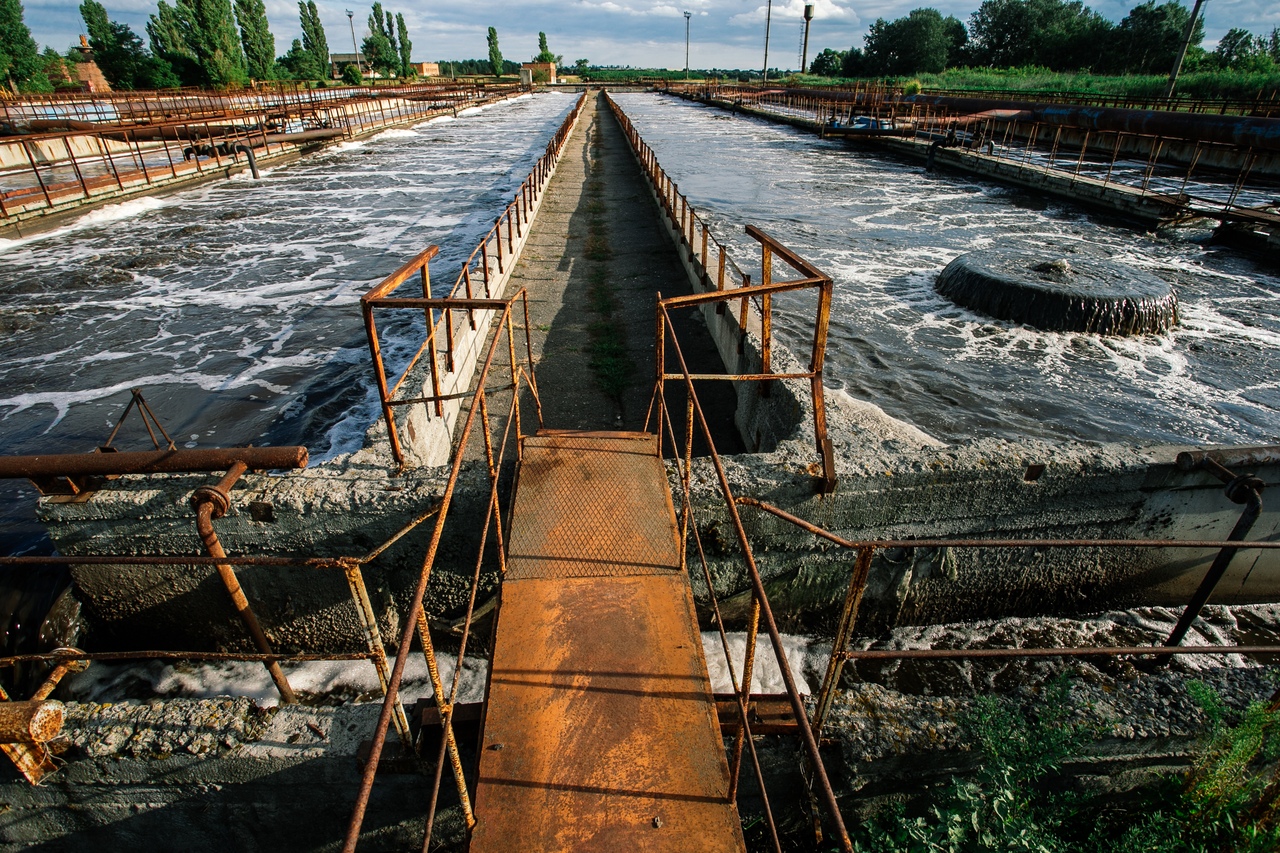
pixel 768 18
pixel 352 21
pixel 687 16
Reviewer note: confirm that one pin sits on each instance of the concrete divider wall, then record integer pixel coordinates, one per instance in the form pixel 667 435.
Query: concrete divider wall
pixel 427 438
pixel 763 418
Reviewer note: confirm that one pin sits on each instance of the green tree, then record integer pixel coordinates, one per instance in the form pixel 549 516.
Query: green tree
pixel 580 67
pixel 120 55
pixel 351 75
pixel 165 29
pixel 313 37
pixel 299 64
pixel 495 53
pixel 855 63
pixel 1241 50
pixel 255 36
pixel 544 54
pixel 1050 33
pixel 19 57
pixel 1149 37
pixel 204 31
pixel 379 46
pixel 828 63
pixel 406 46
pixel 919 43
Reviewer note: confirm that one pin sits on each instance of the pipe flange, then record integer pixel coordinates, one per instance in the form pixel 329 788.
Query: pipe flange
pixel 210 495
pixel 1244 488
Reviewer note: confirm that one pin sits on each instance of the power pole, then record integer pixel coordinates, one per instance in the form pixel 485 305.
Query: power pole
pixel 351 20
pixel 1182 52
pixel 768 18
pixel 687 16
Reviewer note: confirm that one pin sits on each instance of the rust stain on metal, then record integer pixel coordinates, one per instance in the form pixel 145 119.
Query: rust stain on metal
pixel 601 731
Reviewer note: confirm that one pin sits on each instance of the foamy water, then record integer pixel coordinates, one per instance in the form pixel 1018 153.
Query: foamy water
pixel 234 306
pixel 883 229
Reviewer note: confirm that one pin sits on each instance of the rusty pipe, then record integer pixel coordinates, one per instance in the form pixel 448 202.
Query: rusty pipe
pixel 37 721
pixel 212 502
pixel 149 462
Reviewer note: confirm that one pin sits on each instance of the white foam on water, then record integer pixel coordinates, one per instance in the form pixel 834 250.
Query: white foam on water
pixel 115 683
pixel 104 215
pixel 394 133
pixel 805 656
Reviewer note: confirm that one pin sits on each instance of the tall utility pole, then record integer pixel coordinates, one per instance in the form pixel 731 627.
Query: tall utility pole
pixel 804 53
pixel 768 18
pixel 687 16
pixel 1182 53
pixel 351 19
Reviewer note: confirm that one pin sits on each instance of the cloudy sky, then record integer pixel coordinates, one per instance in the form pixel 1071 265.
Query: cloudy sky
pixel 641 33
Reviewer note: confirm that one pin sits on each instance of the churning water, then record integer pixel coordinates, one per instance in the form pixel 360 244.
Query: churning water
pixel 235 306
pixel 883 229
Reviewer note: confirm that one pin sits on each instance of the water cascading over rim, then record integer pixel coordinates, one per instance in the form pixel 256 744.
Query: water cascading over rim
pixel 1058 294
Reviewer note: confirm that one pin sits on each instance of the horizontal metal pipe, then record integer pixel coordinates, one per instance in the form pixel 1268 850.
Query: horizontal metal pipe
pixel 1230 457
pixel 153 654
pixel 149 462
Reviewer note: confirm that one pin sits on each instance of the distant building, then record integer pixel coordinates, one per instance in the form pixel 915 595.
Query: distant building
pixel 539 70
pixel 339 61
pixel 426 69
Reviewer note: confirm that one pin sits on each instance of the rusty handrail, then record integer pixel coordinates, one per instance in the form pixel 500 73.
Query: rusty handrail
pixel 415 621
pixel 195 122
pixel 683 215
pixel 517 216
pixel 761 609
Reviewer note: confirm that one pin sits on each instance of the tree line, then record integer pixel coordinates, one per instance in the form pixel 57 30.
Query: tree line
pixel 216 43
pixel 1053 34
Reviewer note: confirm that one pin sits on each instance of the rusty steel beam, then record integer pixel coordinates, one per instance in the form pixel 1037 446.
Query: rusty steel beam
pixel 52 465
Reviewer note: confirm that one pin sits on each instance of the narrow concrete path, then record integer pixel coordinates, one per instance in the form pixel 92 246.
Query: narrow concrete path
pixel 594 263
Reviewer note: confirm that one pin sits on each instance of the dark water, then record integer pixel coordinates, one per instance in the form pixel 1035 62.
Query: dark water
pixel 235 306
pixel 884 229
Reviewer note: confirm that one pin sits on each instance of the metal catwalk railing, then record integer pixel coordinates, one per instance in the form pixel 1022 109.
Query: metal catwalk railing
pixel 729 283
pixel 105 145
pixel 480 271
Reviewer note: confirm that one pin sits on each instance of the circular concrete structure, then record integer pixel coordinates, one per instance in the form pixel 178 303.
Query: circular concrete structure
pixel 1059 294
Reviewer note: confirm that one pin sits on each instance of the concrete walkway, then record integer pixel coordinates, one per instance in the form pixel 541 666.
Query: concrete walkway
pixel 598 240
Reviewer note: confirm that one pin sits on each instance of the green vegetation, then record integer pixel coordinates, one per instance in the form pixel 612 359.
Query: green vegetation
pixel 1062 37
pixel 1018 799
pixel 256 39
pixel 19 57
pixel 544 54
pixel 406 46
pixel 495 53
pixel 351 76
pixel 120 54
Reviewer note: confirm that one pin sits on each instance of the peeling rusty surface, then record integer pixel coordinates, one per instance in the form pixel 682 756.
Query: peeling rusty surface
pixel 601 731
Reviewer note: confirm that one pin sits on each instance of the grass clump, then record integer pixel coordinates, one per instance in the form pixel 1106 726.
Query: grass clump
pixel 1018 798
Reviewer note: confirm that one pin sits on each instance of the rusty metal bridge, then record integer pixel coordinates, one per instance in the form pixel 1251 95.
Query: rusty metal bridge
pixel 600 729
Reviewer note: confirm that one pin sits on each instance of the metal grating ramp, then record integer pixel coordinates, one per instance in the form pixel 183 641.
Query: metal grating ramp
pixel 600 731
pixel 575 489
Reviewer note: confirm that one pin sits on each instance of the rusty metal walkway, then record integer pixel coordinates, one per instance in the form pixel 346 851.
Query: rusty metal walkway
pixel 601 730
